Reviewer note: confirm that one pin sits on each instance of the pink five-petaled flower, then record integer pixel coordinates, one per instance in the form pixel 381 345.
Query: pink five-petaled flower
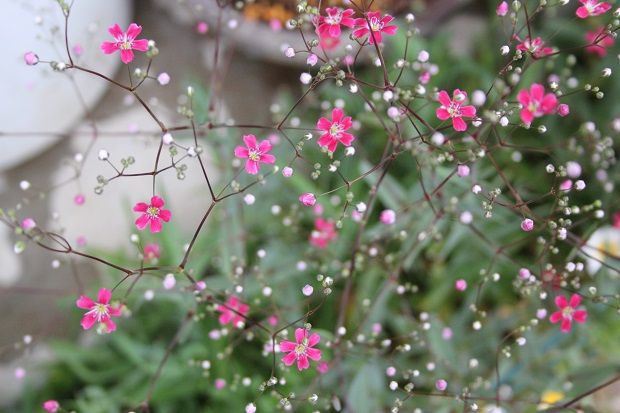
pixel 254 153
pixel 374 27
pixel 233 312
pixel 453 108
pixel 301 350
pixel 153 214
pixel 334 130
pixel 99 312
pixel 534 47
pixel 592 8
pixel 568 312
pixel 329 25
pixel 599 40
pixel 51 406
pixel 324 232
pixel 536 103
pixel 126 42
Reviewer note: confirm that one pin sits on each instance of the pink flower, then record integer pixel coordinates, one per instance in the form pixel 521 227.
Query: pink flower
pixel 329 25
pixel 599 41
pixel 441 384
pixel 233 312
pixel 374 27
pixel 99 312
pixel 255 153
pixel 202 27
pixel 31 59
pixel 28 224
pixel 536 103
pixel 79 199
pixel 527 225
pixel 592 8
pixel 301 350
pixel 568 312
pixel 387 217
pixel 324 232
pixel 454 109
pixel 308 199
pixel 322 367
pixel 51 406
pixel 563 110
pixel 616 220
pixel 534 47
pixel 126 42
pixel 460 284
pixel 502 9
pixel 153 214
pixel 334 130
pixel 152 251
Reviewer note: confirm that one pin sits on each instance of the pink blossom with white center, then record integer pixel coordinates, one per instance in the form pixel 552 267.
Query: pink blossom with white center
pixel 527 225
pixel 31 59
pixel 329 25
pixel 308 199
pixel 324 232
pixel 460 284
pixel 51 406
pixel 152 251
pixel 100 312
pixel 502 9
pixel 534 47
pixel 599 41
pixel 374 27
pixel 454 109
pixel 301 350
pixel 536 103
pixel 592 8
pixel 335 130
pixel 233 312
pixel 387 217
pixel 152 214
pixel 126 42
pixel 255 153
pixel 568 312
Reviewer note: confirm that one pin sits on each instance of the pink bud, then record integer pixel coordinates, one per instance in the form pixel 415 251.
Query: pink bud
pixel 388 217
pixel 323 367
pixel 78 50
pixel 163 78
pixel 460 284
pixel 441 384
pixel 312 59
pixel 79 199
pixel 573 169
pixel 200 285
pixel 307 290
pixel 273 320
pixel 169 281
pixel 308 199
pixel 563 109
pixel 348 60
pixel 541 313
pixel 202 27
pixel 275 24
pixel 446 333
pixel 31 58
pixel 390 371
pixel 502 9
pixel 28 224
pixel 524 273
pixel 527 225
pixel 220 384
pixel 376 328
pixel 462 170
pixel 287 172
pixel 51 406
pixel 566 185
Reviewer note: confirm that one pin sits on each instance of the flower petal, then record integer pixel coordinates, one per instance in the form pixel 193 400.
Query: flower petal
pixel 251 167
pixel 85 303
pixel 313 340
pixel 88 321
pixel 141 45
pixel 126 56
pixel 155 225
pixel 142 221
pixel 575 300
pixel 289 359
pixel 300 334
pixel 109 47
pixel 104 296
pixel 133 31
pixel 561 302
pixel 302 362
pixel 157 202
pixel 286 346
pixel 250 141
pixel 165 215
pixel 116 32
pixel 140 207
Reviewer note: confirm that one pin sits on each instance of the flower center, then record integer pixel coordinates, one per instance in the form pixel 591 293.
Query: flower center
pixel 567 312
pixel 254 156
pixel 152 211
pixel 335 129
pixel 375 24
pixel 125 45
pixel 454 110
pixel 100 311
pixel 300 349
pixel 335 19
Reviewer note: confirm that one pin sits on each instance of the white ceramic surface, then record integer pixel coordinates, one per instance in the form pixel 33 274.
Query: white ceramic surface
pixel 36 99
